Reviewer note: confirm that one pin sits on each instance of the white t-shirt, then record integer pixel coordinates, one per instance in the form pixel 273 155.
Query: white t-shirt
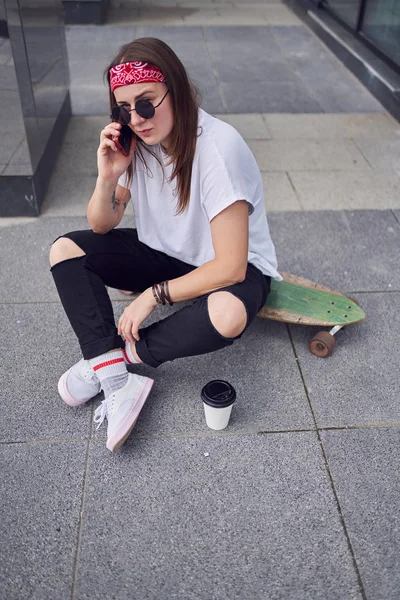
pixel 224 171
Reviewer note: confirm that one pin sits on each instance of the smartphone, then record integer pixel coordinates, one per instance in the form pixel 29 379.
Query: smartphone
pixel 120 115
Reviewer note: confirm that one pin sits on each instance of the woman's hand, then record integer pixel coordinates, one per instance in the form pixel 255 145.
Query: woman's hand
pixel 111 163
pixel 134 315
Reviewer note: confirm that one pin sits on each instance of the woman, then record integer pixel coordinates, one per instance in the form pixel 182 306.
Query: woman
pixel 201 235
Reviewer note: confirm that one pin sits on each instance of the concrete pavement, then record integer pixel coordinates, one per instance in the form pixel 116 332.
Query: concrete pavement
pixel 298 497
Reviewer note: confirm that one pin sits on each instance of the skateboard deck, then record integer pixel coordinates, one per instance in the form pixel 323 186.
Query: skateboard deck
pixel 299 300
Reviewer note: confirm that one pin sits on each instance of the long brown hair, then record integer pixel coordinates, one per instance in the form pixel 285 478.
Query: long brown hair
pixel 185 99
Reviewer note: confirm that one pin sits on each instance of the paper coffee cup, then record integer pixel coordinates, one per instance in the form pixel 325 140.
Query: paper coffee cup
pixel 218 397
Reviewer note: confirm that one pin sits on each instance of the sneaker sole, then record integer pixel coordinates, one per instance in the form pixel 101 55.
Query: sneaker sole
pixel 115 442
pixel 64 393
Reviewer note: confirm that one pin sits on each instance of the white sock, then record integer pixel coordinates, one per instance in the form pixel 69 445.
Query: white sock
pixel 128 355
pixel 110 368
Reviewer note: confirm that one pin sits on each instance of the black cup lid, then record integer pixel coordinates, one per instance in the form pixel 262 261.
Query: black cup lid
pixel 218 393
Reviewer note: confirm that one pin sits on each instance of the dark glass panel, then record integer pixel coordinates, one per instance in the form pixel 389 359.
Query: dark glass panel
pixel 37 40
pixel 14 153
pixel 381 25
pixel 346 10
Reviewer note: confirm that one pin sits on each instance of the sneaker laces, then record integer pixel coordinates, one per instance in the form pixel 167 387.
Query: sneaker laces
pixel 91 376
pixel 103 410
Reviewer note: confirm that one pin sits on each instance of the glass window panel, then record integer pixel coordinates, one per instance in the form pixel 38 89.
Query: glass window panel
pixel 42 23
pixel 381 25
pixel 14 152
pixel 346 10
pixel 37 40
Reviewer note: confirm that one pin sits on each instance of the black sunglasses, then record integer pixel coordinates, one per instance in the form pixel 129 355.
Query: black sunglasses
pixel 144 109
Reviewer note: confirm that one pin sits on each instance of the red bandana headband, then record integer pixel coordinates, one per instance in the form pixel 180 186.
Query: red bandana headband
pixel 134 72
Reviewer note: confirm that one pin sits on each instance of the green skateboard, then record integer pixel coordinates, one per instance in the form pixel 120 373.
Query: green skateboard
pixel 301 301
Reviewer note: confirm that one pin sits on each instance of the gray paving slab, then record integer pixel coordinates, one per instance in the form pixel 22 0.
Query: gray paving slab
pixel 274 59
pixel 25 271
pixel 21 156
pixel 94 33
pixel 91 72
pixel 298 39
pixel 358 384
pixel 5 52
pixel 312 155
pixel 250 126
pixel 281 15
pixel 253 519
pixel 11 113
pixel 291 97
pixel 364 466
pixel 204 78
pixel 245 52
pixel 333 86
pixel 333 126
pixel 339 97
pixel 249 3
pixel 356 189
pixel 84 130
pixel 29 244
pixel 40 501
pixel 231 70
pixel 8 80
pixel 40 347
pixel 297 238
pixel 265 399
pixel 326 69
pixel 189 45
pixel 278 193
pixel 28 241
pixel 210 93
pixel 173 35
pixel 146 15
pixel 346 251
pixel 77 159
pixel 397 215
pixel 15 221
pixel 8 147
pixel 381 154
pixel 99 52
pixel 92 100
pixel 246 39
pixel 297 44
pixel 12 169
pixel 65 198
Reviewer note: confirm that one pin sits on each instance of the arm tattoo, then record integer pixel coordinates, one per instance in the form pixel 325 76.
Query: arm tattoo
pixel 115 202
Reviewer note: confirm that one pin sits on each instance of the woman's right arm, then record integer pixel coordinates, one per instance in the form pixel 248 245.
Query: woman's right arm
pixel 109 200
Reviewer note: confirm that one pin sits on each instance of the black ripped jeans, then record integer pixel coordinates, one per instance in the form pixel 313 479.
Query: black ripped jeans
pixel 119 260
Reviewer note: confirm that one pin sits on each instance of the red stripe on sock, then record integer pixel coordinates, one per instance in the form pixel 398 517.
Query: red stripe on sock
pixel 108 363
pixel 126 356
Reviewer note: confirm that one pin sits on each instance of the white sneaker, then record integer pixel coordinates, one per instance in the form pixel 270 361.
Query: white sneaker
pixel 122 409
pixel 79 384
